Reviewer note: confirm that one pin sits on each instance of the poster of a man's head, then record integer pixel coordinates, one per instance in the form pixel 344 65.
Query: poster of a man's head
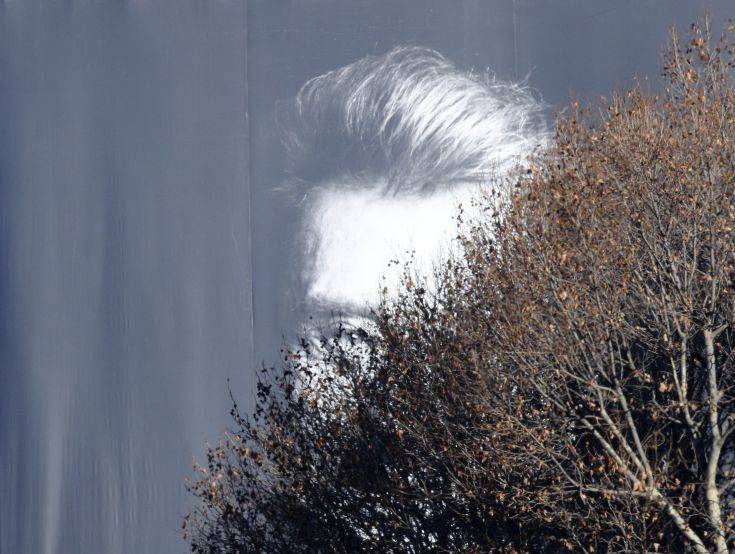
pixel 197 199
pixel 380 154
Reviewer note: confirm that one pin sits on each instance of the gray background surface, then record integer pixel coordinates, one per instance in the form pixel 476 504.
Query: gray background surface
pixel 124 264
pixel 134 232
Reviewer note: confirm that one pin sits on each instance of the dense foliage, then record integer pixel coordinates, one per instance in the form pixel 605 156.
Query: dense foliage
pixel 564 383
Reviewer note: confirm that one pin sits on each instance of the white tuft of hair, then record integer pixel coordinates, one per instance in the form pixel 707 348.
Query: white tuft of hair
pixel 412 120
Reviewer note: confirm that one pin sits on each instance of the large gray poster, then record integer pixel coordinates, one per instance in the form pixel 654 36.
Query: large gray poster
pixel 153 243
pixel 125 254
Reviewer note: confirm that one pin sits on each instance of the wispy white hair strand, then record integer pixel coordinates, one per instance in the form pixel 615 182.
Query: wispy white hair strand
pixel 411 119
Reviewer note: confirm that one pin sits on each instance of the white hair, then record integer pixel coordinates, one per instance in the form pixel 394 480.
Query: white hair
pixel 411 120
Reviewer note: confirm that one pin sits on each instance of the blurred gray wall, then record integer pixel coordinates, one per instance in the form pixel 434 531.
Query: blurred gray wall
pixel 124 264
pixel 128 252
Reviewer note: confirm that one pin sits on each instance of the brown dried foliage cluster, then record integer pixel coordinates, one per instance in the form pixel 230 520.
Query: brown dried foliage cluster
pixel 567 387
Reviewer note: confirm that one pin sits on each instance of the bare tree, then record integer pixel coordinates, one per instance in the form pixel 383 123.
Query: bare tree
pixel 611 297
pixel 568 385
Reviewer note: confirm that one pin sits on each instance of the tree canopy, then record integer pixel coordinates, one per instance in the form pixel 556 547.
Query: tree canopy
pixel 565 381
